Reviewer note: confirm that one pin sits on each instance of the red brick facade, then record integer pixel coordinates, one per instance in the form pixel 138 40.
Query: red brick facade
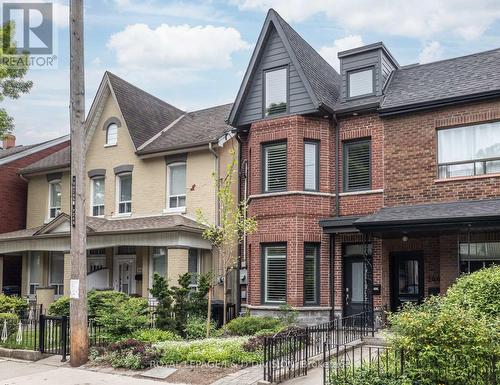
pixel 403 172
pixel 13 190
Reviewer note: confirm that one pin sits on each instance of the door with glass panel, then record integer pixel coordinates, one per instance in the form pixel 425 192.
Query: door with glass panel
pixel 407 278
pixel 354 285
pixel 124 273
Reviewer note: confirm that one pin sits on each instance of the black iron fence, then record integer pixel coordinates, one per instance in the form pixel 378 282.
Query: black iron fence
pixel 54 335
pixel 287 355
pixel 353 365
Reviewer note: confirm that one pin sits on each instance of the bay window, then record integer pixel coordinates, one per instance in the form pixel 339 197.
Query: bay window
pixel 274 167
pixel 35 271
pixel 469 150
pixel 176 188
pixel 194 266
pixel 274 273
pixel 159 261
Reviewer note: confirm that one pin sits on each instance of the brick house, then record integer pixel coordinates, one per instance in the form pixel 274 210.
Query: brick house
pixel 13 192
pixel 372 187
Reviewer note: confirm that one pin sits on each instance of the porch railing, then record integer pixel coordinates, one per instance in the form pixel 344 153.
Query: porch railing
pixel 287 355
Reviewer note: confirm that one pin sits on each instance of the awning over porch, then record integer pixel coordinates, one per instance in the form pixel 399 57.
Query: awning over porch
pixel 167 231
pixel 480 214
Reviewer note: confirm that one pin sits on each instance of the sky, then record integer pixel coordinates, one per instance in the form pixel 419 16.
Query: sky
pixel 193 54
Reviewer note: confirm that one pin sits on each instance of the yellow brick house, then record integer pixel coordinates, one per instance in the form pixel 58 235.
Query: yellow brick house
pixel 149 167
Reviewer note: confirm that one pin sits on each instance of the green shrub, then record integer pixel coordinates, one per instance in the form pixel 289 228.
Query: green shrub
pixel 449 337
pixel 104 300
pixel 155 335
pixel 12 321
pixel 59 307
pixel 130 354
pixel 364 376
pixel 163 294
pixel 478 292
pixel 196 328
pixel 249 325
pixel 10 304
pixel 124 318
pixel 224 351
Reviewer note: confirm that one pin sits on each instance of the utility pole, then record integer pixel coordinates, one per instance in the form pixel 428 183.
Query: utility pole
pixel 78 288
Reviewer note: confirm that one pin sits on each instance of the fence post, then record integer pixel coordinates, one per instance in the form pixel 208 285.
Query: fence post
pixel 64 337
pixel 41 334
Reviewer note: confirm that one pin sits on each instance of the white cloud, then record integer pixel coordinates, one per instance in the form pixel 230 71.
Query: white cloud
pixel 432 51
pixel 177 50
pixel 411 18
pixel 329 53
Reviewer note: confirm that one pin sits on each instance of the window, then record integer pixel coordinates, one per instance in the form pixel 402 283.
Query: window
pixel 96 260
pixel 54 199
pixel 478 256
pixel 275 164
pixel 112 134
pixel 124 193
pixel 125 250
pixel 194 265
pixel 311 274
pixel 276 91
pixel 360 82
pixel 56 272
pixel 176 175
pixel 357 165
pixel 469 150
pixel 274 277
pixel 311 166
pixel 35 272
pixel 159 261
pixel 98 196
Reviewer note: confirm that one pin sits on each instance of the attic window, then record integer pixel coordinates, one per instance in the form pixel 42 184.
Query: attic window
pixel 275 91
pixel 360 83
pixel 112 134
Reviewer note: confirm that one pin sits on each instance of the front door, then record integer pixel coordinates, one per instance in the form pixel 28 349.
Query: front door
pixel 124 275
pixel 354 285
pixel 407 278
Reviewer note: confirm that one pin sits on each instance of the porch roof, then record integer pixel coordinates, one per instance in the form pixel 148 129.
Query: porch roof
pixel 447 215
pixel 166 230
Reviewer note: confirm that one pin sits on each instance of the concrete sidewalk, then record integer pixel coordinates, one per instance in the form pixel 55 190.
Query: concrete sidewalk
pixel 52 372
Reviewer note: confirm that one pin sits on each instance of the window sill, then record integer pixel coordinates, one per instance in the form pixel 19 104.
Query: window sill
pixel 284 193
pixel 361 192
pixel 179 210
pixel 110 145
pixel 464 178
pixel 122 215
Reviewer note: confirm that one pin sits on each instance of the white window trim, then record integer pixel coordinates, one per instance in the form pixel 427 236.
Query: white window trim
pixel 92 196
pixel 118 194
pixel 50 207
pixel 56 295
pixel 132 260
pixel 106 144
pixel 168 209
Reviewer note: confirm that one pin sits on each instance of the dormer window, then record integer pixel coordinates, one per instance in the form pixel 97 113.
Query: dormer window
pixel 360 82
pixel 112 134
pixel 276 91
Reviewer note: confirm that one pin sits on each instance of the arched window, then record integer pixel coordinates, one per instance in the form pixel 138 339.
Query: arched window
pixel 112 134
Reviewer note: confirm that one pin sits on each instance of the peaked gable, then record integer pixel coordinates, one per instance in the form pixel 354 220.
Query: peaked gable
pixel 313 83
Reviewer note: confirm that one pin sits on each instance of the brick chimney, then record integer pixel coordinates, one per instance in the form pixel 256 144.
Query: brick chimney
pixel 9 141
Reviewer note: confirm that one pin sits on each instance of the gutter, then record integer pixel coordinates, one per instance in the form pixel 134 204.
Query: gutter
pixel 416 107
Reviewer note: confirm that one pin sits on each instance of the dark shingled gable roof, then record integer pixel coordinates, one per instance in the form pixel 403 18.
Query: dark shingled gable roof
pixel 433 213
pixel 145 114
pixel 194 128
pixel 57 160
pixel 442 80
pixel 324 80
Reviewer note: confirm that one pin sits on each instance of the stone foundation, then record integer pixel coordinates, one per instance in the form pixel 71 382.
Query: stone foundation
pixel 306 315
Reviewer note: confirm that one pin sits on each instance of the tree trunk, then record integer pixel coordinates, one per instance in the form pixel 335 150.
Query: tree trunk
pixel 209 311
pixel 224 309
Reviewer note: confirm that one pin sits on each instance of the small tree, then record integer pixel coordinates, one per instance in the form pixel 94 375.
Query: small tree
pixel 181 295
pixel 163 295
pixel 233 225
pixel 12 84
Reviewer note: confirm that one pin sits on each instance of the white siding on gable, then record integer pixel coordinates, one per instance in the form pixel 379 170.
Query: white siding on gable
pixel 274 55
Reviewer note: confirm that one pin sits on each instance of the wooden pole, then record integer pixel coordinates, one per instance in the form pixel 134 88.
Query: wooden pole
pixel 78 289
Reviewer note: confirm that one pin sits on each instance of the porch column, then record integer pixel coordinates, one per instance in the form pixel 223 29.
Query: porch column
pixel 24 274
pixel 67 273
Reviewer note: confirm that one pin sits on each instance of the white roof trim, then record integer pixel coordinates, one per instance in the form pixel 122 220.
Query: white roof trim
pixel 34 150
